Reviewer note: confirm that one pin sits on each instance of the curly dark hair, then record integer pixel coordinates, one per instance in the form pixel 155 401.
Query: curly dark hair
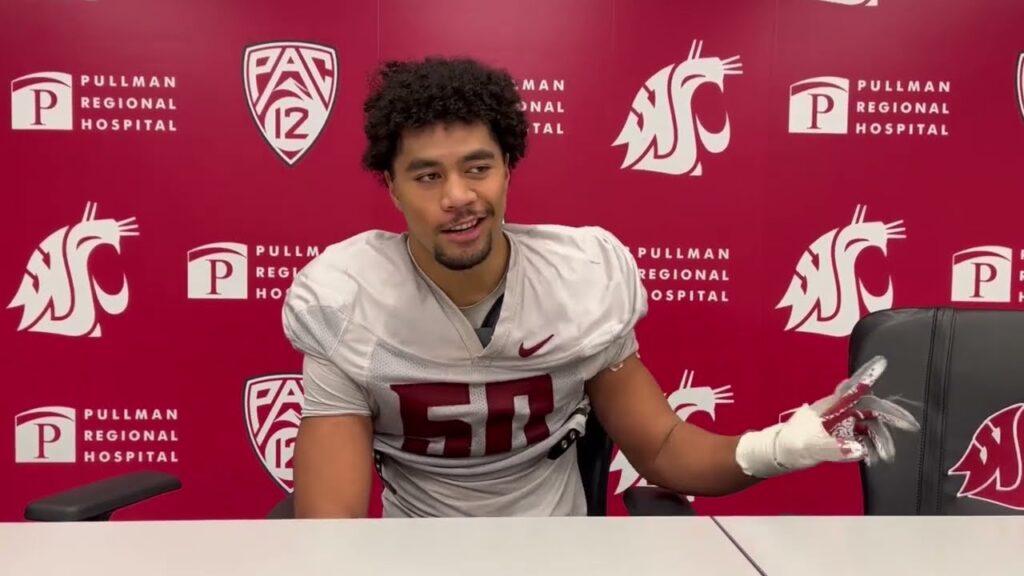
pixel 415 94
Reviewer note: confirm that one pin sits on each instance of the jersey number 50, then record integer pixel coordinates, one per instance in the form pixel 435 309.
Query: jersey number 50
pixel 425 409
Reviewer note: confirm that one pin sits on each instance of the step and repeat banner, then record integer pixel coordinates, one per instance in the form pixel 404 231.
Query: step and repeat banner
pixel 779 169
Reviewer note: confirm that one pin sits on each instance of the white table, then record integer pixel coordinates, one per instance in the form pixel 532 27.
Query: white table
pixel 880 545
pixel 615 546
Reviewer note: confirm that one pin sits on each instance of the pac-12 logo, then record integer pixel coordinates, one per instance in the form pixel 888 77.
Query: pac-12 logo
pixel 685 401
pixel 992 467
pixel 45 435
pixel 825 295
pixel 58 293
pixel 662 132
pixel 273 411
pixel 290 89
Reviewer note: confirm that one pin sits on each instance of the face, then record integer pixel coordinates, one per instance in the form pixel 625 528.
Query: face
pixel 450 183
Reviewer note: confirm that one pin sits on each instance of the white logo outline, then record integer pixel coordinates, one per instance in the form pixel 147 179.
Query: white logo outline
pixel 234 285
pixel 312 98
pixel 61 419
pixel 59 86
pixel 60 297
pixel 665 135
pixel 982 454
pixel 258 429
pixel 831 290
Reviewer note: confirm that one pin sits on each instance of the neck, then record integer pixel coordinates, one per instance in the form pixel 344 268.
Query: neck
pixel 466 287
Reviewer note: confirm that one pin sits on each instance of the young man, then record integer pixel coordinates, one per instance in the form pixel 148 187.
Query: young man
pixel 460 355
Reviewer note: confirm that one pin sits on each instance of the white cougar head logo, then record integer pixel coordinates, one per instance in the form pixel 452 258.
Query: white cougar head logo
pixel 57 293
pixel 661 131
pixel 685 401
pixel 825 294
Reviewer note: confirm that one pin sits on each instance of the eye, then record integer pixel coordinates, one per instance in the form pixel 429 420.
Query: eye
pixel 480 169
pixel 427 178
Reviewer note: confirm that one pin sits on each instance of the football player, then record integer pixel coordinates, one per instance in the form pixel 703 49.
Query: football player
pixel 460 358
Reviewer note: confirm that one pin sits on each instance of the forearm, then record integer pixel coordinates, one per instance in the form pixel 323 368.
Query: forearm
pixel 696 462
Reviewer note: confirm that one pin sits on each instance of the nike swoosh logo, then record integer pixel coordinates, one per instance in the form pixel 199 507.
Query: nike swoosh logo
pixel 525 352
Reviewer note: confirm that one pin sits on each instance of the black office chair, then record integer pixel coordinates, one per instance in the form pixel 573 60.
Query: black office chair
pixel 957 368
pixel 594 456
pixel 99 500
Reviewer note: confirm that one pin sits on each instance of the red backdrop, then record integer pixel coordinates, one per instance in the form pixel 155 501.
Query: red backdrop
pixel 779 169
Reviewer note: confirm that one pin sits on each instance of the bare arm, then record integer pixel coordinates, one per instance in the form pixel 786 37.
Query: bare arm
pixel 333 467
pixel 664 449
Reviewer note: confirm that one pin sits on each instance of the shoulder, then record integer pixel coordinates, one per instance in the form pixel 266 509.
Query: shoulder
pixel 336 277
pixel 582 280
pixel 592 243
pixel 570 252
pixel 327 294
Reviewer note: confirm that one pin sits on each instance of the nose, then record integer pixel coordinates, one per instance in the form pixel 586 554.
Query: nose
pixel 457 194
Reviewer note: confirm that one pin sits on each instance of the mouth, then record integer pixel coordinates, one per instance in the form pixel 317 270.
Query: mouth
pixel 465 230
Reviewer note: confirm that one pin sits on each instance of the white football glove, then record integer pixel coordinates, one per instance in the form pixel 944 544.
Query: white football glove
pixel 848 425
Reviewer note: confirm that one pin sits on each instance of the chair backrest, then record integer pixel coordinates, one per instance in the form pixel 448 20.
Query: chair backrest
pixel 594 457
pixel 962 372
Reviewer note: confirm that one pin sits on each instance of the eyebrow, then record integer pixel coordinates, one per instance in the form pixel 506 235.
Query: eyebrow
pixel 421 163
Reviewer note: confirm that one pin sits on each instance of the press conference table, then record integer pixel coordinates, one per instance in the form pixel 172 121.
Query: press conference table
pixel 617 546
pixel 870 545
pixel 451 547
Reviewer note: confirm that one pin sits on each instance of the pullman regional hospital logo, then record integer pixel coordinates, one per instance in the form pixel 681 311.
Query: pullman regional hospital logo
pixel 122 103
pixel 825 296
pixel 662 132
pixel 290 88
pixel 685 401
pixel 273 411
pixel 58 293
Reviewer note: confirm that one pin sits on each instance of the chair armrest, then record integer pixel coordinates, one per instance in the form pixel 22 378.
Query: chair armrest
pixel 98 500
pixel 655 501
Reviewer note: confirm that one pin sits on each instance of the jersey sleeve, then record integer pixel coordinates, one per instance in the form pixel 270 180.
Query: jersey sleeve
pixel 625 289
pixel 317 329
pixel 330 392
pixel 629 297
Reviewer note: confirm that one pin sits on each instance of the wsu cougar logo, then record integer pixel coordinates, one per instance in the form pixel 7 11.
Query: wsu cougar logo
pixel 273 409
pixel 661 132
pixel 825 295
pixel 685 401
pixel 992 466
pixel 290 88
pixel 58 295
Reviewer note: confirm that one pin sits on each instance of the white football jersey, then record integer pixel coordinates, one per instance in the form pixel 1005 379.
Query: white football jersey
pixel 461 429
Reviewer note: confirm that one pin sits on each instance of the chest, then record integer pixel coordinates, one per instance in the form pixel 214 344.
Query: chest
pixel 471 410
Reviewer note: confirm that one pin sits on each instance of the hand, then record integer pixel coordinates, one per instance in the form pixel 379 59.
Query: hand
pixel 848 425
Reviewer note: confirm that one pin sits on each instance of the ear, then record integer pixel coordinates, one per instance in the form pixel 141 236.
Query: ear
pixel 508 171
